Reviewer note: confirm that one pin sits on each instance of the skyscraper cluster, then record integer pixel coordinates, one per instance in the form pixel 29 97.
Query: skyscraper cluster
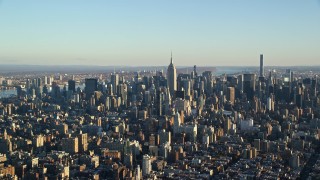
pixel 259 124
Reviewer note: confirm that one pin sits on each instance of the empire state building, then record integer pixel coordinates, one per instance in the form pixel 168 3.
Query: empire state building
pixel 172 78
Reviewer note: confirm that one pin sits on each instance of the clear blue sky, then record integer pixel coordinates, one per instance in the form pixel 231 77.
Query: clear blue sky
pixel 143 32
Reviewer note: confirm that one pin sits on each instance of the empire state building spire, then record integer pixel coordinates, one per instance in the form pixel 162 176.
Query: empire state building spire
pixel 172 77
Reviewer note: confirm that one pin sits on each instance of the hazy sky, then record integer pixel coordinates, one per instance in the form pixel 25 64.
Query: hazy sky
pixel 143 32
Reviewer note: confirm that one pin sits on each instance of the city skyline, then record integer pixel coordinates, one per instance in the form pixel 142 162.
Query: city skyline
pixel 167 89
pixel 153 125
pixel 142 33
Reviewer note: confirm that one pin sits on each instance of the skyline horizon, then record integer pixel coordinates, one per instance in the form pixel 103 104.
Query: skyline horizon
pixel 180 66
pixel 256 64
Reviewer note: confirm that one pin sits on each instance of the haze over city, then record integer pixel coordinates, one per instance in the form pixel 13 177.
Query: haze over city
pixel 136 33
pixel 171 89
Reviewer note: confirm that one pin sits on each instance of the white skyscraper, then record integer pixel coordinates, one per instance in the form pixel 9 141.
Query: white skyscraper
pixel 176 123
pixel 146 164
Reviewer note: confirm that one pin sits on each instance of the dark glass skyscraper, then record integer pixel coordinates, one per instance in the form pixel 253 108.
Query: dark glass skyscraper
pixel 248 85
pixel 72 85
pixel 91 86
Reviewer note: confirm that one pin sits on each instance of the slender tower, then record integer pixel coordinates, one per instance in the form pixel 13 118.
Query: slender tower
pixel 172 78
pixel 261 66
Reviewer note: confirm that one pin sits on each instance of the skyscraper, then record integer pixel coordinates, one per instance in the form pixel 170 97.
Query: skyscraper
pixel 70 145
pixel 261 66
pixel 82 142
pixel 172 78
pixel 249 84
pixel 231 95
pixel 115 82
pixel 91 86
pixel 72 85
pixel 289 75
pixel 146 165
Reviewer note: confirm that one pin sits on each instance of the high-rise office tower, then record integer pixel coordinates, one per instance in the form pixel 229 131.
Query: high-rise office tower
pixel 186 84
pixel 72 85
pixel 289 75
pixel 314 84
pixel 194 73
pixel 39 82
pixel 249 85
pixel 164 136
pixel 82 142
pixel 45 80
pixel 231 95
pixel 208 82
pixel 115 82
pixel 146 165
pixel 261 66
pixel 176 123
pixel 137 173
pixel 70 145
pixel 227 125
pixel 91 86
pixel 256 144
pixel 172 78
pixel 49 80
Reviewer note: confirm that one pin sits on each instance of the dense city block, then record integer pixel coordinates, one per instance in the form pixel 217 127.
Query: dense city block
pixel 164 124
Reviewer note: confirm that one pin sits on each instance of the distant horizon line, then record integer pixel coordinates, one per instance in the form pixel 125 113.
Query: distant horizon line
pixel 135 66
